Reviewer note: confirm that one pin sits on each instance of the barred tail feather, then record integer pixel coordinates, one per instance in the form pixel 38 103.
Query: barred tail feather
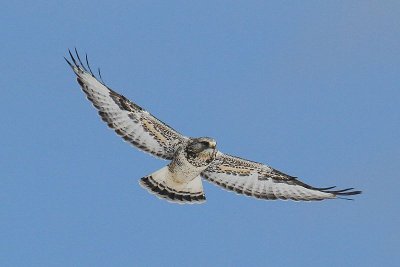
pixel 161 184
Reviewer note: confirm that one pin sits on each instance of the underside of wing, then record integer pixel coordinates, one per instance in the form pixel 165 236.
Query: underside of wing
pixel 261 181
pixel 134 124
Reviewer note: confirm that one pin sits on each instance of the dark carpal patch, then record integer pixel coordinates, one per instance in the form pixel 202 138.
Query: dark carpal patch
pixel 124 103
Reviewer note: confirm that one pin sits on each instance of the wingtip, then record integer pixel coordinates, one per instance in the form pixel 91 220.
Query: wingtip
pixel 342 194
pixel 70 55
pixel 80 61
pixel 69 63
pixel 88 65
pixel 78 64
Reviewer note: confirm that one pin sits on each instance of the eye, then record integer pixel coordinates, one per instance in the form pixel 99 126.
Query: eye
pixel 205 143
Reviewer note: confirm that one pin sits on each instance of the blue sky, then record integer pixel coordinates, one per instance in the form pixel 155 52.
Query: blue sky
pixel 308 87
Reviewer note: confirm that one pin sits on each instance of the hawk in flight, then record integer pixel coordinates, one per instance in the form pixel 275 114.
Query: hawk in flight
pixel 191 159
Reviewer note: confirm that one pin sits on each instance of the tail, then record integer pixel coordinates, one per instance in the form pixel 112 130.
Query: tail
pixel 163 186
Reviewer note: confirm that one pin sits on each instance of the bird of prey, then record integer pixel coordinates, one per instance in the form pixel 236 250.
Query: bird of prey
pixel 191 159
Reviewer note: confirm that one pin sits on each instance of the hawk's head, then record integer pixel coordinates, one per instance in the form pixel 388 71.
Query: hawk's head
pixel 202 149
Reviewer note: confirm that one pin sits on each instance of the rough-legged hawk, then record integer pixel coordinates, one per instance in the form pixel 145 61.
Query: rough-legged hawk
pixel 190 158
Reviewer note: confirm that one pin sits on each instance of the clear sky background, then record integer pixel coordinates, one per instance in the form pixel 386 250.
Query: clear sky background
pixel 308 87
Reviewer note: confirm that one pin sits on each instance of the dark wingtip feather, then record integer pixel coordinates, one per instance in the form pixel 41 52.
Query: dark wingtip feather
pixel 341 192
pixel 344 192
pixel 72 57
pixel 78 63
pixel 324 188
pixel 351 193
pixel 87 63
pixel 69 63
pixel 345 198
pixel 101 78
pixel 79 59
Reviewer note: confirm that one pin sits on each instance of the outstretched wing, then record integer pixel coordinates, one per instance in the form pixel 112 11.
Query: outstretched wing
pixel 130 121
pixel 261 181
